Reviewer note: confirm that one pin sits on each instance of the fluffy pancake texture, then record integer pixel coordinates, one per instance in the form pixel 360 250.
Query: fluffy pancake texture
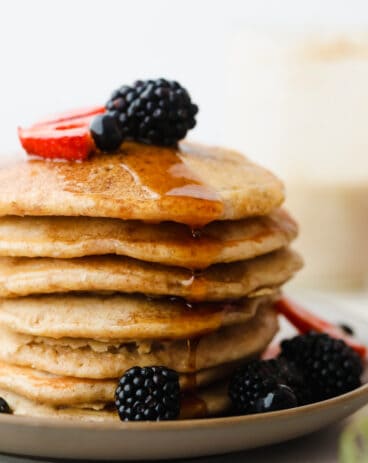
pixel 54 390
pixel 24 276
pixel 165 243
pixel 120 316
pixel 85 358
pixel 211 401
pixel 193 184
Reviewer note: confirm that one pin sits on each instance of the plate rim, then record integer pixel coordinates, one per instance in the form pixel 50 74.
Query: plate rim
pixel 177 425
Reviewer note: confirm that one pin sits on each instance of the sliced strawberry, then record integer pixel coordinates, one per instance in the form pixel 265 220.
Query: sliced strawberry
pixel 71 143
pixel 71 115
pixel 304 321
pixel 63 136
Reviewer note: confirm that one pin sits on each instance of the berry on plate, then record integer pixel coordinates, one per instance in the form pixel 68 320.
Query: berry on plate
pixel 279 398
pixel 305 321
pixel 4 406
pixel 148 394
pixel 265 385
pixel 329 366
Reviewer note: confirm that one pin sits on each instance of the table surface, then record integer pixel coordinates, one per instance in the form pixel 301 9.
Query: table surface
pixel 321 447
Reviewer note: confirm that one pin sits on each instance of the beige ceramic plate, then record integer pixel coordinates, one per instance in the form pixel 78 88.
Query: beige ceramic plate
pixel 55 438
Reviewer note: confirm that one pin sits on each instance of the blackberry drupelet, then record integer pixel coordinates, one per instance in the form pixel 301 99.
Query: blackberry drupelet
pixel 264 385
pixel 148 394
pixel 329 366
pixel 4 407
pixel 153 111
pixel 106 132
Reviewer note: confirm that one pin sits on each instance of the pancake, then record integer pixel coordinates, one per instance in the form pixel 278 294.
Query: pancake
pixel 55 390
pixel 166 243
pixel 22 406
pixel 25 276
pixel 83 358
pixel 120 316
pixel 193 184
pixel 211 401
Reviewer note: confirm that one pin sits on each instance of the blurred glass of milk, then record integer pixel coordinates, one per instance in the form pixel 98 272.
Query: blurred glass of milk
pixel 298 103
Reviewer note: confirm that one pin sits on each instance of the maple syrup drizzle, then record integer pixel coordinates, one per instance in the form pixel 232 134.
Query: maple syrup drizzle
pixel 198 286
pixel 163 173
pixel 192 347
pixel 192 406
pixel 191 399
pixel 192 320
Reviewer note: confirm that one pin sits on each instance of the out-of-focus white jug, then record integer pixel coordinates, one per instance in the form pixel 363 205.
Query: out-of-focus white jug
pixel 297 101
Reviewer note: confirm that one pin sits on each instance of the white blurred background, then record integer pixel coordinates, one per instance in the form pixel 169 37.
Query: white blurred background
pixel 285 81
pixel 61 54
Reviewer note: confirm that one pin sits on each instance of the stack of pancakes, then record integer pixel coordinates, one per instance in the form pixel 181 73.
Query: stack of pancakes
pixel 151 256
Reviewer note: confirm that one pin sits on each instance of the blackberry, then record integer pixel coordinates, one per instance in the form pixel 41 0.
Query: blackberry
pixel 4 407
pixel 264 385
pixel 106 132
pixel 148 394
pixel 153 111
pixel 329 366
pixel 287 373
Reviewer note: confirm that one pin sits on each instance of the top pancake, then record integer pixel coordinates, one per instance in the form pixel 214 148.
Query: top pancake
pixel 193 184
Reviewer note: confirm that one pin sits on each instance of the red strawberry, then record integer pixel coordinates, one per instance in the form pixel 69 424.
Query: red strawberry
pixel 71 144
pixel 71 115
pixel 64 136
pixel 305 321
